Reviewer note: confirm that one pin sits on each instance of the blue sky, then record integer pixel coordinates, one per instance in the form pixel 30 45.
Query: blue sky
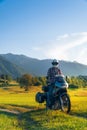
pixel 44 29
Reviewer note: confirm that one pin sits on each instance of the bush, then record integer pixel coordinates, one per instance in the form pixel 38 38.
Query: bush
pixel 73 86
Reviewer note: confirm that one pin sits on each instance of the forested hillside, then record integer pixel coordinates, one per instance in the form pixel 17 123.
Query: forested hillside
pixel 9 68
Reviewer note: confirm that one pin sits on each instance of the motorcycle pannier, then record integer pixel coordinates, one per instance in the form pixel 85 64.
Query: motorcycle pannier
pixel 40 97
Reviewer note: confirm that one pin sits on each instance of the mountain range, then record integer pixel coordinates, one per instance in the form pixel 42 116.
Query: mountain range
pixel 17 65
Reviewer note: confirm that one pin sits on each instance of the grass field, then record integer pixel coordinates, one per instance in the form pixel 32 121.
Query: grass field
pixel 19 111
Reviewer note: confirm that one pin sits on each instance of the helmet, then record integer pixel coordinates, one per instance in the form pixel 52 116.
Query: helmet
pixel 55 62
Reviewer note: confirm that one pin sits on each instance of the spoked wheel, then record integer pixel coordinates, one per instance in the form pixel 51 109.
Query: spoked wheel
pixel 65 103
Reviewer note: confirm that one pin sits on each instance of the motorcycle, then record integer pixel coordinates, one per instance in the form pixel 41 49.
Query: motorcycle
pixel 60 96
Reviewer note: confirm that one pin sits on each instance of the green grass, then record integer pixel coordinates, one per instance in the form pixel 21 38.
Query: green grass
pixel 33 116
pixel 9 121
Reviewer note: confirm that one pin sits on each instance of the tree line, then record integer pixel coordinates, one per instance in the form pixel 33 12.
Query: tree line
pixel 77 82
pixel 4 80
pixel 27 80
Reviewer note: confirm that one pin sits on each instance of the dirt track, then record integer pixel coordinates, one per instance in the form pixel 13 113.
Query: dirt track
pixel 9 111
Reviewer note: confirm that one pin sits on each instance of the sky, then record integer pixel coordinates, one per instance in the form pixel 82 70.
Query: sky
pixel 44 29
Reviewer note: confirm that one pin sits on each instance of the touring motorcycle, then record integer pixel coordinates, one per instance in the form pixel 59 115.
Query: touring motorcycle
pixel 60 96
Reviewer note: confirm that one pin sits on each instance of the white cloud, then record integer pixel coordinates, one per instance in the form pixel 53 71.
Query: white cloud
pixel 62 36
pixel 36 48
pixel 74 41
pixel 67 47
pixel 82 57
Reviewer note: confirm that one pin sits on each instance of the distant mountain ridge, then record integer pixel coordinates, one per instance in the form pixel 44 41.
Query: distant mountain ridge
pixel 7 67
pixel 20 64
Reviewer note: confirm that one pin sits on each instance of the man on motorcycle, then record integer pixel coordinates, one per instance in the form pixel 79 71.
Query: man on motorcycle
pixel 51 74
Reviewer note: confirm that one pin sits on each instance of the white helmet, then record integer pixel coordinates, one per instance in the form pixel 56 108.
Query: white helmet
pixel 55 62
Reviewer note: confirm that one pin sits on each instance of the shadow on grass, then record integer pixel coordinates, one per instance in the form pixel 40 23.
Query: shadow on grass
pixel 79 114
pixel 32 120
pixel 35 119
pixel 18 108
pixel 23 106
pixel 27 120
pixel 34 108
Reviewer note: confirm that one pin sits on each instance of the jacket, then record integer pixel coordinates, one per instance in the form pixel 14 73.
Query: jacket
pixel 52 72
